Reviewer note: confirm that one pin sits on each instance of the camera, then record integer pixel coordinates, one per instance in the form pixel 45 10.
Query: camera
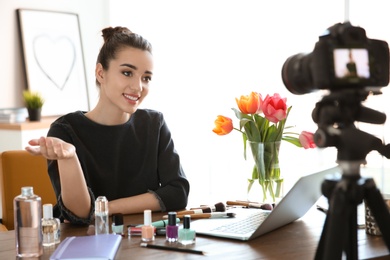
pixel 343 58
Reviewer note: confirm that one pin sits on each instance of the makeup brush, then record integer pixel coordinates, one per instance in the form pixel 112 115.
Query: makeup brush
pixel 265 206
pixel 207 215
pixel 195 211
pixel 218 207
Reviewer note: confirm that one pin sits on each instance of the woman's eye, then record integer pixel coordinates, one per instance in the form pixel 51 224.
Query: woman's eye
pixel 127 73
pixel 147 79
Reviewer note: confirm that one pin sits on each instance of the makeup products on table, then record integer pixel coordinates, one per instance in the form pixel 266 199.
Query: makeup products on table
pixel 147 229
pixel 27 221
pixel 186 235
pixel 171 248
pixel 208 215
pixel 161 223
pixel 49 226
pixel 172 228
pixel 101 216
pixel 117 224
pixel 218 207
pixel 265 206
pixel 137 231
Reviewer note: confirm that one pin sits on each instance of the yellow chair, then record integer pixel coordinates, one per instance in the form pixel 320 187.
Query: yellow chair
pixel 18 169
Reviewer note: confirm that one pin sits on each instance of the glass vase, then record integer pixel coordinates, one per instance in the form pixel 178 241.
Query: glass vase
pixel 265 183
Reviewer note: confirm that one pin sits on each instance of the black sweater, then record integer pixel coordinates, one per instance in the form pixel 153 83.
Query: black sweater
pixel 123 160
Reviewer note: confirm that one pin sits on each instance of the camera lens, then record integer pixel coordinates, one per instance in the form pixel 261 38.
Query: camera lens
pixel 296 74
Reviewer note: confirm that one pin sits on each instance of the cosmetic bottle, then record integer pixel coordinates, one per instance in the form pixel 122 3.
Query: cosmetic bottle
pixel 117 224
pixel 49 226
pixel 172 228
pixel 27 222
pixel 57 236
pixel 147 229
pixel 101 216
pixel 186 235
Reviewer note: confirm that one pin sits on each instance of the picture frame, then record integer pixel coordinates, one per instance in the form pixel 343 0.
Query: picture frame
pixel 53 59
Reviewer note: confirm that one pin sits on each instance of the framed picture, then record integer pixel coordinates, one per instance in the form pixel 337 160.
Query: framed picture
pixel 53 59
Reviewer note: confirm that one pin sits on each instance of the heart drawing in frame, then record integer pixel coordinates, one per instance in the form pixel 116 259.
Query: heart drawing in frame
pixel 56 57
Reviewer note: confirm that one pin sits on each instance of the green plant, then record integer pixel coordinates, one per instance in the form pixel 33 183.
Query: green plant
pixel 33 100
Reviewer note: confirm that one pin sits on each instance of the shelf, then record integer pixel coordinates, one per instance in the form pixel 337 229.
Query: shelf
pixel 44 123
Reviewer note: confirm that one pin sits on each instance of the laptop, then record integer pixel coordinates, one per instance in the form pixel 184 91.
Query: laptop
pixel 250 223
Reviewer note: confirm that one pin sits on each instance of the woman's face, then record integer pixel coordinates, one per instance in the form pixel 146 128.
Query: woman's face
pixel 126 82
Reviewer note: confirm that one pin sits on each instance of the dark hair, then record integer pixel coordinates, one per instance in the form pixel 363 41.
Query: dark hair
pixel 116 39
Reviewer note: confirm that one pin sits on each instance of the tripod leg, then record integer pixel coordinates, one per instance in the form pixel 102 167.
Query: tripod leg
pixel 337 226
pixel 379 209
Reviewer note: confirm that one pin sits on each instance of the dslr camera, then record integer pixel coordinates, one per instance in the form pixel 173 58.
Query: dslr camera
pixel 343 58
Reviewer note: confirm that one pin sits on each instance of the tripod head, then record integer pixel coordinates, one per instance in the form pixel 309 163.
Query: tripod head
pixel 335 115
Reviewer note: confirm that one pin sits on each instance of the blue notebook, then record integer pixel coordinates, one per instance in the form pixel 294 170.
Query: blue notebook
pixel 88 247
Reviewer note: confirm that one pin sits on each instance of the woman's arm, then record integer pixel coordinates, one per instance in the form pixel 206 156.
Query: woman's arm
pixel 135 204
pixel 74 191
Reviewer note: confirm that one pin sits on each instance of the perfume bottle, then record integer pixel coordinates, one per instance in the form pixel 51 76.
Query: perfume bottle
pixel 101 216
pixel 147 230
pixel 172 228
pixel 49 226
pixel 117 224
pixel 186 235
pixel 28 226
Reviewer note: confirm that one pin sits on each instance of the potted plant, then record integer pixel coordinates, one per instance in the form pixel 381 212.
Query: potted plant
pixel 34 102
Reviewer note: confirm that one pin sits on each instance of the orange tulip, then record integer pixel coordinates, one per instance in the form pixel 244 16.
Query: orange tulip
pixel 223 125
pixel 250 104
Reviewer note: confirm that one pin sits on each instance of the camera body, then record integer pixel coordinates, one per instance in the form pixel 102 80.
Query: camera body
pixel 343 58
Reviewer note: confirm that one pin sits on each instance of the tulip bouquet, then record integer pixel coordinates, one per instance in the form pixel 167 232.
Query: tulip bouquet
pixel 262 123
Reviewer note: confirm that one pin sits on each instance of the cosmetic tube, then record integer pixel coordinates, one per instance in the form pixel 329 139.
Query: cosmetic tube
pixel 172 228
pixel 147 229
pixel 186 235
pixel 117 224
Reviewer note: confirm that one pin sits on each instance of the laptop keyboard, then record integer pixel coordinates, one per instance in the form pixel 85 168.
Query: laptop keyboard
pixel 243 226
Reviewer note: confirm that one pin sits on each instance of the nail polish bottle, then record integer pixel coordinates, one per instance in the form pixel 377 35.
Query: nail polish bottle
pixel 117 224
pixel 147 229
pixel 172 228
pixel 186 235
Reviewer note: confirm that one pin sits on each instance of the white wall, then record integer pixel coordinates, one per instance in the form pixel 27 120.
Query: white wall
pixel 93 16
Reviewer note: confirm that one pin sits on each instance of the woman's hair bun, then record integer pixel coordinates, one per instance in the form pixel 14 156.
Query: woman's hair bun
pixel 109 32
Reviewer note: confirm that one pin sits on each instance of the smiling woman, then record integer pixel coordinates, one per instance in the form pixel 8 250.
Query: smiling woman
pixel 115 150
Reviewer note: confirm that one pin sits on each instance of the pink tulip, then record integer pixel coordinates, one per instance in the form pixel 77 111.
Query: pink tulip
pixel 274 108
pixel 307 140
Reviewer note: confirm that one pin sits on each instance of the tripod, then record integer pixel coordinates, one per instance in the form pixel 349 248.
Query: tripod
pixel 344 194
pixel 340 229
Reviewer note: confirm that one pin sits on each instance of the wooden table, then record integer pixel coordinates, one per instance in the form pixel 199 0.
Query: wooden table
pixel 298 240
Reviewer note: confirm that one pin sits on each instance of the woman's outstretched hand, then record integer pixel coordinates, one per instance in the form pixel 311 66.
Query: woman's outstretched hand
pixel 52 148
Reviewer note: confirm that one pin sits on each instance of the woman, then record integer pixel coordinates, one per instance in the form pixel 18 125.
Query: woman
pixel 115 150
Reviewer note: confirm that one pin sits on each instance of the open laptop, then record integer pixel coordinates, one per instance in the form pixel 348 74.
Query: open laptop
pixel 301 197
